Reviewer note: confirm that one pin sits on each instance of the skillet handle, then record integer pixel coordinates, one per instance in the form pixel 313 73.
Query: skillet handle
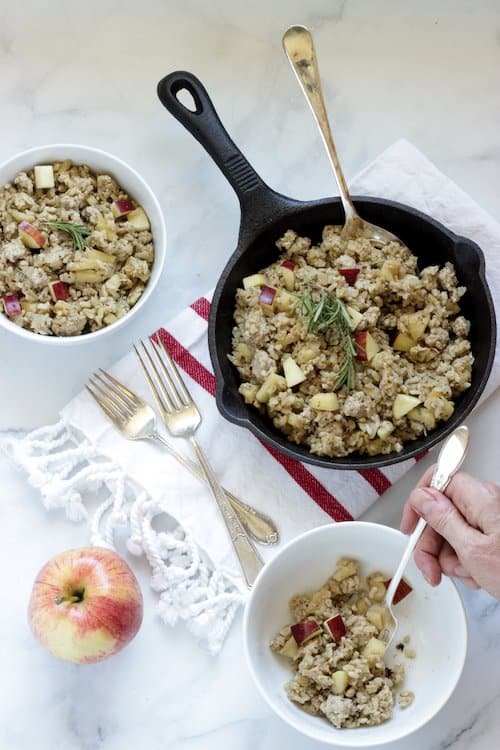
pixel 206 127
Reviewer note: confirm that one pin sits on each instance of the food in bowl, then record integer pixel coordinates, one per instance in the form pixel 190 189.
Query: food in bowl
pixel 334 648
pixel 348 347
pixel 76 251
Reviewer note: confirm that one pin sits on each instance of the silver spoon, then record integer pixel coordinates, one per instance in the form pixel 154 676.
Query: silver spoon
pixel 449 461
pixel 299 48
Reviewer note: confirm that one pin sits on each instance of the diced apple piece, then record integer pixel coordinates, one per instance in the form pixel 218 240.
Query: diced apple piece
pixel 375 615
pixel 138 219
pixel 424 416
pixel 256 279
pixel 404 404
pixel 11 305
pixel 374 647
pixel 29 305
pixel 293 374
pixel 340 681
pixel 44 177
pixel 401 341
pixel 271 385
pixel 100 255
pixel 59 290
pixel 335 627
pixel 402 590
pixel 266 297
pixel 349 274
pixel 288 270
pixel 121 207
pixel 355 316
pixel 385 429
pixel 366 346
pixel 305 630
pixel 325 401
pixel 417 323
pixel 31 236
pixel 86 276
pixel 290 649
pixel 284 301
pixel 390 270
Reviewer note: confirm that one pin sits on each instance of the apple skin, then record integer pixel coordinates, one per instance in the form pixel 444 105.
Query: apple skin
pixel 107 615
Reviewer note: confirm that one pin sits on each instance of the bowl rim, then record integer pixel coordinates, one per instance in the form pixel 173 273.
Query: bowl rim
pixel 296 724
pixel 159 240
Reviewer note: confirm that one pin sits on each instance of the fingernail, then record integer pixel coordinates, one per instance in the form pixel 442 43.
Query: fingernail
pixel 427 579
pixel 460 572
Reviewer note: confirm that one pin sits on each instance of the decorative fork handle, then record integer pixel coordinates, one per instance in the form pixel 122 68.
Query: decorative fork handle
pixel 250 560
pixel 259 526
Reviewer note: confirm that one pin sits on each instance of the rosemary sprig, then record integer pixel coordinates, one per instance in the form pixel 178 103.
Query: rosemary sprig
pixel 323 311
pixel 78 232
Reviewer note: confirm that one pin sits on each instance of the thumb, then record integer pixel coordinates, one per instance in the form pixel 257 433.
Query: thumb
pixel 442 515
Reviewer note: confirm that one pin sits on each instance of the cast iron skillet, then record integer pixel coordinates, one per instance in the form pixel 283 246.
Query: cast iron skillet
pixel 265 215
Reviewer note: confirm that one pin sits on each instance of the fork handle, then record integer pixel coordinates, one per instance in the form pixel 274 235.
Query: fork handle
pixel 250 560
pixel 257 524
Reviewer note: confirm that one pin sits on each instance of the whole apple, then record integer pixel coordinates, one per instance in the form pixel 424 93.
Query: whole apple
pixel 85 605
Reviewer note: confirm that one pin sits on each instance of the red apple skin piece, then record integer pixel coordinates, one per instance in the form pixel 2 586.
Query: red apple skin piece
pixel 289 264
pixel 402 590
pixel 305 630
pixel 121 207
pixel 35 239
pixel 59 290
pixel 267 294
pixel 11 305
pixel 349 274
pixel 335 626
pixel 99 625
pixel 360 341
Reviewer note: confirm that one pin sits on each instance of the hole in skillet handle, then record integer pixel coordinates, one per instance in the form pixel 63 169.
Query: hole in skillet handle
pixel 179 95
pixel 186 98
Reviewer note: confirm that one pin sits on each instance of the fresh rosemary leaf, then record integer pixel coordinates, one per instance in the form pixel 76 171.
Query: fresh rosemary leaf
pixel 323 311
pixel 78 232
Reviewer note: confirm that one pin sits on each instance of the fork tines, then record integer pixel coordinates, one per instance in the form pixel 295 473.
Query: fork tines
pixel 114 398
pixel 160 371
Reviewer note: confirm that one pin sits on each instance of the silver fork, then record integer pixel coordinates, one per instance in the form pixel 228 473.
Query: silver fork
pixel 182 419
pixel 136 420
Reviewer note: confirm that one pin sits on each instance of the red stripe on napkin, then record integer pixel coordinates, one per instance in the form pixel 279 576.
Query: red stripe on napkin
pixel 376 478
pixel 296 469
pixel 202 307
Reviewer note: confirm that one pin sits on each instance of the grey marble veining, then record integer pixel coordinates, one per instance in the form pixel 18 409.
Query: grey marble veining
pixel 87 72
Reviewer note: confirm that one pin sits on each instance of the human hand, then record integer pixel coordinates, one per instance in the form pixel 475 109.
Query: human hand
pixel 462 538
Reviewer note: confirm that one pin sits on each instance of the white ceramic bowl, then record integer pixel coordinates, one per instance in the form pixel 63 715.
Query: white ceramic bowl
pixel 132 182
pixel 434 618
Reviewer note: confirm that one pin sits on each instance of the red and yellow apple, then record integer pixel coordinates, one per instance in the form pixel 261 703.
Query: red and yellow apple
pixel 85 605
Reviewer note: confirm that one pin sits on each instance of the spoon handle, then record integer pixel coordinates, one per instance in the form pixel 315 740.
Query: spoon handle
pixel 299 49
pixel 450 459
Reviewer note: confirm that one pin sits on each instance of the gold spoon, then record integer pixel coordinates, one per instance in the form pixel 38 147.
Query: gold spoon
pixel 299 48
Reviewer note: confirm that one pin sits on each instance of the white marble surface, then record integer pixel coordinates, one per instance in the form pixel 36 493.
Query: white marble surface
pixel 87 73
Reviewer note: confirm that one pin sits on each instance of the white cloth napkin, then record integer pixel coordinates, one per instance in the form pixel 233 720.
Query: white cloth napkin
pixel 194 568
